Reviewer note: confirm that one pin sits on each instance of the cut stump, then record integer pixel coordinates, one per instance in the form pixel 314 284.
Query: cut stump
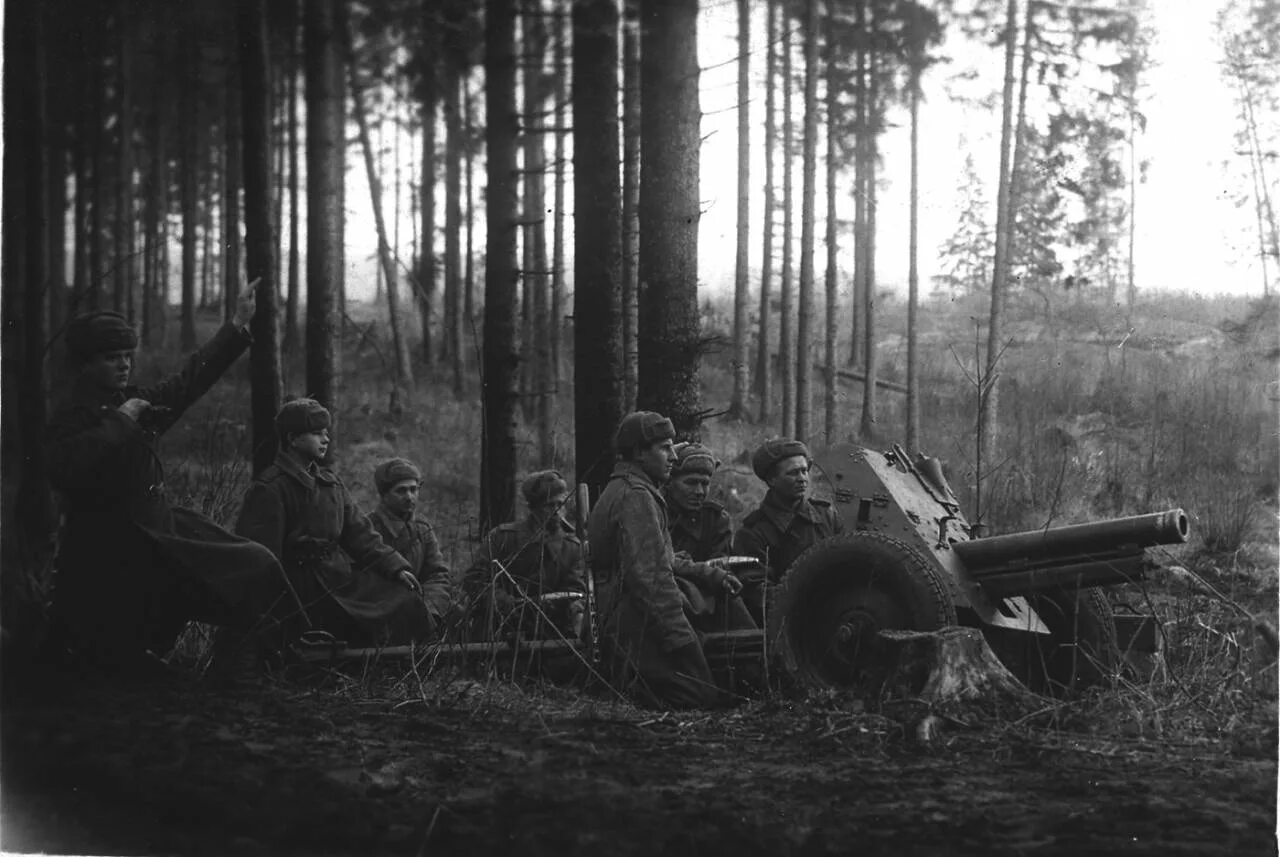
pixel 954 673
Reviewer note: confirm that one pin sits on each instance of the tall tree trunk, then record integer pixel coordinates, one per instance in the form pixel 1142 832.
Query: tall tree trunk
pixel 429 60
pixel 786 321
pixel 631 285
pixel 325 150
pixel 913 270
pixel 536 279
pixel 1258 161
pixel 808 192
pixel 452 339
pixel 190 180
pixel 599 364
pixel 153 289
pixel 264 358
pixel 231 189
pixel 498 457
pixel 98 225
pixel 399 343
pixel 469 213
pixel 861 121
pixel 988 389
pixel 831 399
pixel 764 367
pixel 81 153
pixel 291 333
pixel 741 375
pixel 670 346
pixel 561 95
pixel 867 426
pixel 123 292
pixel 55 297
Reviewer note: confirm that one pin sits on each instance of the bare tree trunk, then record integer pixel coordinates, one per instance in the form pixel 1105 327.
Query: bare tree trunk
pixel 399 343
pixel 867 426
pixel 786 325
pixel 190 178
pixel 291 333
pixel 498 461
pixel 989 390
pixel 325 151
pixel 264 358
pixel 741 379
pixel 469 213
pixel 536 281
pixel 124 277
pixel 861 122
pixel 670 338
pixel 81 276
pixel 231 189
pixel 804 320
pixel 831 399
pixel 913 270
pixel 429 59
pixel 599 364
pixel 764 368
pixel 630 204
pixel 97 236
pixel 560 94
pixel 453 337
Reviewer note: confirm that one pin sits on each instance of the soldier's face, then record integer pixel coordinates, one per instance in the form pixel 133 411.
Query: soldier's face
pixel 545 513
pixel 402 498
pixel 688 491
pixel 657 460
pixel 790 479
pixel 109 370
pixel 311 445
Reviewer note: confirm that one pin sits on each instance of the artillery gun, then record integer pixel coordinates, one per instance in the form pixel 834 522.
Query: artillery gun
pixel 909 560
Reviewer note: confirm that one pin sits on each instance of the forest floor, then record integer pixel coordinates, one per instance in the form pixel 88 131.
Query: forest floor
pixel 459 766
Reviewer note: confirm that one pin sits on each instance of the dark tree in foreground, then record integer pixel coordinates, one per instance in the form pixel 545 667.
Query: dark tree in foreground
pixel 500 363
pixel 738 404
pixel 669 211
pixel 264 358
pixel 325 149
pixel 597 308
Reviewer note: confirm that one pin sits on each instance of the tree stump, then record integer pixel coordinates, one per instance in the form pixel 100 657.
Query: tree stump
pixel 955 675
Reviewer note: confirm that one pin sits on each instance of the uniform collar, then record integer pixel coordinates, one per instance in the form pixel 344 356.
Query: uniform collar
pixel 84 390
pixel 782 514
pixel 307 476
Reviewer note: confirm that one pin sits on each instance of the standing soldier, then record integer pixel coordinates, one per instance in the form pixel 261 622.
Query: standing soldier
pixel 788 521
pixel 347 580
pixel 398 482
pixel 651 647
pixel 700 530
pixel 521 561
pixel 133 570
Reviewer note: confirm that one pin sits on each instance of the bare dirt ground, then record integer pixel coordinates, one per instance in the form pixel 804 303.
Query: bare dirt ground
pixel 468 768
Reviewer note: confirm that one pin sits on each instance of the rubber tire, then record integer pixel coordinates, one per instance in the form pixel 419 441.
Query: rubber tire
pixel 875 580
pixel 1080 651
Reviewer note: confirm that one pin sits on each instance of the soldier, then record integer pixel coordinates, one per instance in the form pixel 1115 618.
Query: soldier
pixel 652 648
pixel 398 482
pixel 788 521
pixel 133 570
pixel 701 531
pixel 523 560
pixel 347 580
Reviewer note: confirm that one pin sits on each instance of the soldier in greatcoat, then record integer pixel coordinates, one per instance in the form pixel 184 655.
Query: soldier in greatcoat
pixel 522 561
pixel 651 648
pixel 132 570
pixel 404 528
pixel 348 581
pixel 701 531
pixel 788 521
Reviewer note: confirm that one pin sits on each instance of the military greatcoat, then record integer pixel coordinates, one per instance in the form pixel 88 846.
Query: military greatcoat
pixel 534 558
pixel 344 573
pixel 132 570
pixel 702 535
pixel 416 541
pixel 654 650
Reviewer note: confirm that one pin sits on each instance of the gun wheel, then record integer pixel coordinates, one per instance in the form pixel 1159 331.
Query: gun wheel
pixel 840 594
pixel 1080 649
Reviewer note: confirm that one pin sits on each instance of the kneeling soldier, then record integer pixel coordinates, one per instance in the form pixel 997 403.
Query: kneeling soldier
pixel 522 561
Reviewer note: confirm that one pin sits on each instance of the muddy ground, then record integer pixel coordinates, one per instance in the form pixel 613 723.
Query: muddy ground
pixel 463 767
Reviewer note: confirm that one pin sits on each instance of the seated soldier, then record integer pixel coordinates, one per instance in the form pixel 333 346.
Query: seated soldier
pixel 700 530
pixel 398 482
pixel 132 570
pixel 346 579
pixel 788 521
pixel 651 649
pixel 521 562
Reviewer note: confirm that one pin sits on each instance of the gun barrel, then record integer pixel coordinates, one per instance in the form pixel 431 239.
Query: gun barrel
pixel 1073 543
